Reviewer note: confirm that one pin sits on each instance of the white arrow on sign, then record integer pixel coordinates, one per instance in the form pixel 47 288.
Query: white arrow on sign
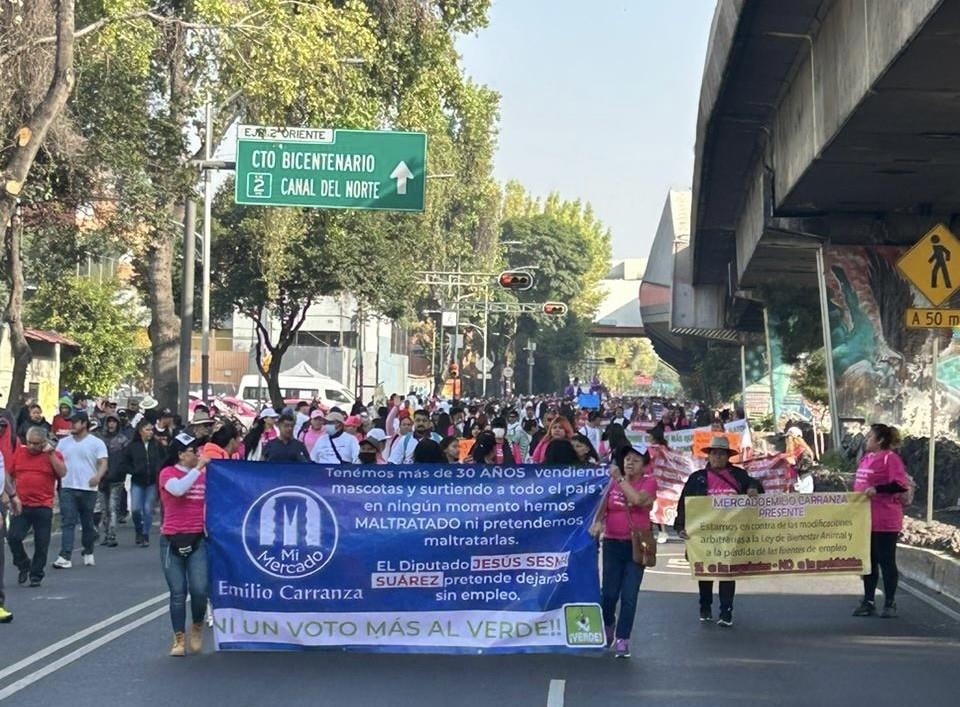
pixel 401 173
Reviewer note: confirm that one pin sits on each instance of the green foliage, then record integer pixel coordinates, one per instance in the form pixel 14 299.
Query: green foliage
pixel 810 377
pixel 631 357
pixel 558 244
pixel 716 373
pixel 102 319
pixel 798 328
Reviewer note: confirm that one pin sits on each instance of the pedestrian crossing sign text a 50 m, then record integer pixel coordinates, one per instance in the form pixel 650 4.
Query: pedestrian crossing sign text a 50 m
pixel 933 265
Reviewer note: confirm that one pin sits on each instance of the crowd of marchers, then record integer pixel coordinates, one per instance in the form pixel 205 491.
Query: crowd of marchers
pixel 103 464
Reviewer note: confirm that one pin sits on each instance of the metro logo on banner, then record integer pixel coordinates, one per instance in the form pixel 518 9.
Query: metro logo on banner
pixel 442 559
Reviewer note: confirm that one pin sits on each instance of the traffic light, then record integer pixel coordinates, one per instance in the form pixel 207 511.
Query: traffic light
pixel 555 309
pixel 454 370
pixel 516 280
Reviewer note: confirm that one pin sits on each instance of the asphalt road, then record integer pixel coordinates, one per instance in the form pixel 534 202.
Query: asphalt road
pixel 99 635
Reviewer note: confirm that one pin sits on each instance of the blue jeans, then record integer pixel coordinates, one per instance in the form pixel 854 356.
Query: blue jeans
pixel 181 573
pixel 76 505
pixel 142 501
pixel 621 582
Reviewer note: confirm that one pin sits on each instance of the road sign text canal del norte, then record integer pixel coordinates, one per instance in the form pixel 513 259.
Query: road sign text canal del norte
pixel 332 169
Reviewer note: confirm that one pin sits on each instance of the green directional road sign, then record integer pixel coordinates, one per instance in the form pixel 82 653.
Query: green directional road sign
pixel 330 169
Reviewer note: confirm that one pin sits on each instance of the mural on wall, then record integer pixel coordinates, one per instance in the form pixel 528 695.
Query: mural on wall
pixel 882 369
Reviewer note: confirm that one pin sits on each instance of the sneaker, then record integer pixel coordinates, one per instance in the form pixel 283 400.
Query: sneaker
pixel 5 616
pixel 608 630
pixel 866 608
pixel 889 611
pixel 23 576
pixel 34 583
pixel 139 540
pixel 62 563
pixel 88 561
pixel 622 648
pixel 706 614
pixel 145 543
pixel 112 543
pixel 726 618
pixel 662 538
pixel 105 542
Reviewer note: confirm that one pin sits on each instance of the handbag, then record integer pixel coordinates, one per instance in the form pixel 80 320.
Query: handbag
pixel 642 544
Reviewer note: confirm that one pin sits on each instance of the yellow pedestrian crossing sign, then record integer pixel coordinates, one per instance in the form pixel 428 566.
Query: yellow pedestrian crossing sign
pixel 933 265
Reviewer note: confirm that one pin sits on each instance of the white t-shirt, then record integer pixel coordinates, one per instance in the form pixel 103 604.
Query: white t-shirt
pixel 80 459
pixel 347 447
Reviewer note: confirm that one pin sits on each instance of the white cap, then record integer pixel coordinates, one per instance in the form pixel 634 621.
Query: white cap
pixel 794 432
pixel 377 435
pixel 268 412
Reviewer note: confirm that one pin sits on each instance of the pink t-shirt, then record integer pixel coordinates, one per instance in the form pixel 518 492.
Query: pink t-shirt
pixel 617 527
pixel 311 436
pixel 878 469
pixel 182 514
pixel 721 483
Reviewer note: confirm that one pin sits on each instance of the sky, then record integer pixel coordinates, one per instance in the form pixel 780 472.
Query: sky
pixel 598 102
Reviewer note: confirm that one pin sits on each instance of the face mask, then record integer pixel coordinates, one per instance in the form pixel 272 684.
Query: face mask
pixel 330 429
pixel 368 457
pixel 499 432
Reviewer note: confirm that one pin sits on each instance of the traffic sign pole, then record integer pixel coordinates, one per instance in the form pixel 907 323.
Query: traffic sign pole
pixel 931 452
pixel 932 265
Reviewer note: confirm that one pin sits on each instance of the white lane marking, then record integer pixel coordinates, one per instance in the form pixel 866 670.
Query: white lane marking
pixel 930 601
pixel 79 635
pixel 555 694
pixel 28 680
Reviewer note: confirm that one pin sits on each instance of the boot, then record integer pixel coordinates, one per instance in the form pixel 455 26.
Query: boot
pixel 196 638
pixel 178 650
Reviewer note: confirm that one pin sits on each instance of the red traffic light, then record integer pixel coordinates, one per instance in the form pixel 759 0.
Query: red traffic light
pixel 515 280
pixel 555 308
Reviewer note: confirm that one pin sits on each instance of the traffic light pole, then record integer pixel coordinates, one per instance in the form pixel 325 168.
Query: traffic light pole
pixel 486 319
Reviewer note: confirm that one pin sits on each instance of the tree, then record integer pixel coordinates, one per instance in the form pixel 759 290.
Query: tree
pixel 35 121
pixel 810 377
pixel 631 357
pixel 716 373
pixel 556 245
pixel 103 320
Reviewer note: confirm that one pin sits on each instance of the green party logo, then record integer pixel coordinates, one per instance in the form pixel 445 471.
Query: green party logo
pixel 584 624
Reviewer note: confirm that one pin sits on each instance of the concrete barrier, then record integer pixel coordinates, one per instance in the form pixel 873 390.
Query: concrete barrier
pixel 933 569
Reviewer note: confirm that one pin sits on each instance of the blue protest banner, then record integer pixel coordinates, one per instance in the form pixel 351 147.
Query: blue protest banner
pixel 432 558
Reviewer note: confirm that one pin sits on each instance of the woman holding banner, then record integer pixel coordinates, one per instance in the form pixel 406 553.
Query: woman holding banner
pixel 719 478
pixel 625 508
pixel 182 540
pixel 882 476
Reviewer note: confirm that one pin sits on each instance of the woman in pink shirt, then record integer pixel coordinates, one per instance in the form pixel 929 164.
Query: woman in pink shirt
pixel 625 506
pixel 182 546
pixel 882 476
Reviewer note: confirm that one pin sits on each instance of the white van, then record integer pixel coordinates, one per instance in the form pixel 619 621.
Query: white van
pixel 301 383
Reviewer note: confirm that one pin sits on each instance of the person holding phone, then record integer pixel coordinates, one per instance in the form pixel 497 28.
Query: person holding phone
pixel 183 549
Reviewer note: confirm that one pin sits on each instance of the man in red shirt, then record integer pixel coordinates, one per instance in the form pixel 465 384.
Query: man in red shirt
pixel 34 469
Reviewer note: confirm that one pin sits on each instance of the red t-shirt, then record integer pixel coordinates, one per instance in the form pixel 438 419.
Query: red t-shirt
pixel 60 426
pixel 35 478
